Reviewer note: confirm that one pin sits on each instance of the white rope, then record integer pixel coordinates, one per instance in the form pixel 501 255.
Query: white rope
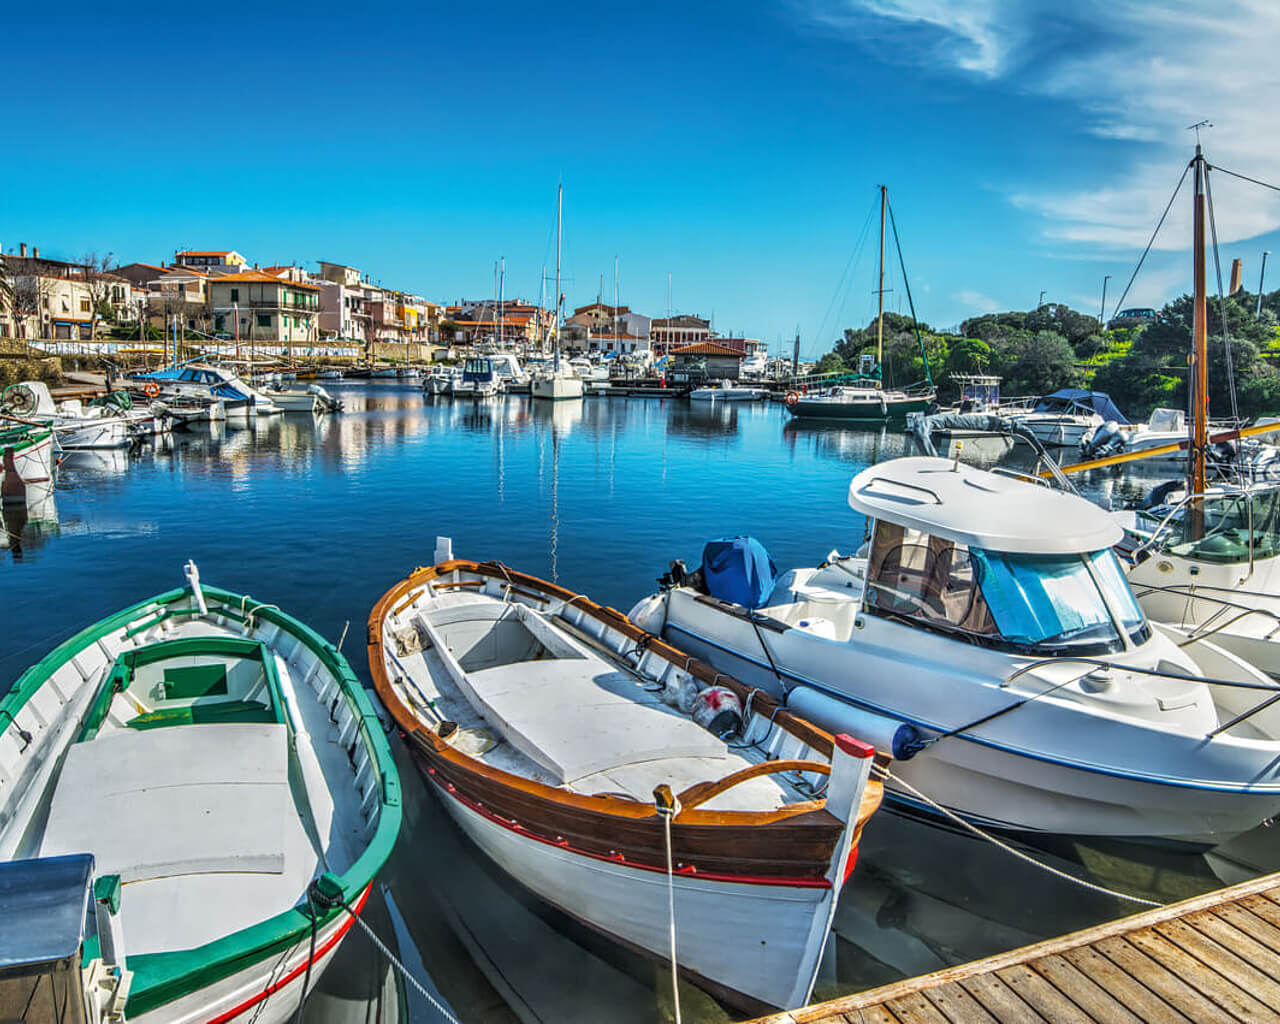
pixel 669 813
pixel 888 776
pixel 404 971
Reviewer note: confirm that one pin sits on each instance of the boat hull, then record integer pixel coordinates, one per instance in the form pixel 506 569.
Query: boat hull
pixel 988 779
pixel 863 412
pixel 737 932
pixel 556 388
pixel 107 432
pixel 266 992
pixel 32 463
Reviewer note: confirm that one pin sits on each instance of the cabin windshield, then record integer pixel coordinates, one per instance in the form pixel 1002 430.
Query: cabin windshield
pixel 1041 603
pixel 474 368
pixel 1231 521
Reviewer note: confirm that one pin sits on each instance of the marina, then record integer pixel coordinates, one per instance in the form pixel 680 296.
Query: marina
pixel 558 479
pixel 705 619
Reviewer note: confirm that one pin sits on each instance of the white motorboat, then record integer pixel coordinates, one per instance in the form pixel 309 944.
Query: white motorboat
pixel 988 625
pixel 311 399
pixel 727 391
pixel 196 796
pixel 384 373
pixel 1164 427
pixel 480 379
pixel 200 380
pixel 1063 418
pixel 440 381
pixel 587 371
pixel 559 738
pixel 328 375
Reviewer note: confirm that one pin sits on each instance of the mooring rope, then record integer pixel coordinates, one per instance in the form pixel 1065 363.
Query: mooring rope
pixel 887 776
pixel 669 806
pixel 392 959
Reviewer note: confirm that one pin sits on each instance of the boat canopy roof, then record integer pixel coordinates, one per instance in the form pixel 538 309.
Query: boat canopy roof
pixel 981 509
pixel 1098 401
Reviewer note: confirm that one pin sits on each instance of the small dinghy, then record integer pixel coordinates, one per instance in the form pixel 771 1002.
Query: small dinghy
pixel 559 737
pixel 208 776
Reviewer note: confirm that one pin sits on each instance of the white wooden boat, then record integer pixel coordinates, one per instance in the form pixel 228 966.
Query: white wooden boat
pixel 990 618
pixel 26 460
pixel 213 769
pixel 74 425
pixel 546 725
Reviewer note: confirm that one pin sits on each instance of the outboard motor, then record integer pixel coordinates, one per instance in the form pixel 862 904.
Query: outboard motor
pixel 1105 440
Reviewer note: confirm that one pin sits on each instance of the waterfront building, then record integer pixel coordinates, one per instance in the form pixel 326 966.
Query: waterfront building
pixel 259 308
pixel 61 300
pixel 181 293
pixel 707 360
pixel 669 333
pixel 599 327
pixel 212 261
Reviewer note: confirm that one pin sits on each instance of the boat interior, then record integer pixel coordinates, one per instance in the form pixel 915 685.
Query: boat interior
pixel 196 758
pixel 505 670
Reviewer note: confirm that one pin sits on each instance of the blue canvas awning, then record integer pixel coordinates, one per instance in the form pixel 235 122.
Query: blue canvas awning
pixel 1099 401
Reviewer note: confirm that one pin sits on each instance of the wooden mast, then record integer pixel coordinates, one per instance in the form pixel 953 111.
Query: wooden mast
pixel 1199 358
pixel 880 292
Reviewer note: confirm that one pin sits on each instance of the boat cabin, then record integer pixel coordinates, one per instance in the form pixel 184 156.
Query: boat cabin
pixel 979 392
pixel 479 370
pixel 993 560
pixel 1238 527
pixel 1079 402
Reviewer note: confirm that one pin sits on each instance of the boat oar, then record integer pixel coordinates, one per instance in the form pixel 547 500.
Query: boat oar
pixel 1164 449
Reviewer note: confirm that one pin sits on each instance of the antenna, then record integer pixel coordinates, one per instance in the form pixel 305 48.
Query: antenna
pixel 1196 128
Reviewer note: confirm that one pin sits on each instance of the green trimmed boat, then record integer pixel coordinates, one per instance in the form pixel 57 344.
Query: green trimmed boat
pixel 207 774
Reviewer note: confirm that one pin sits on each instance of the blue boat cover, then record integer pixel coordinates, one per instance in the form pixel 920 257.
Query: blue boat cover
pixel 738 570
pixel 1099 401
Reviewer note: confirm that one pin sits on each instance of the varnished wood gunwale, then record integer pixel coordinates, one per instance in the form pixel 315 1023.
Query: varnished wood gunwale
pixel 794 842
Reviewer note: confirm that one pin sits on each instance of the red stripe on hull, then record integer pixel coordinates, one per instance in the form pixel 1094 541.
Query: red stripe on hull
pixel 298 971
pixel 780 881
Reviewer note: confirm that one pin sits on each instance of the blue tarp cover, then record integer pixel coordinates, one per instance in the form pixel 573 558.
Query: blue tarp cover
pixel 1099 401
pixel 739 570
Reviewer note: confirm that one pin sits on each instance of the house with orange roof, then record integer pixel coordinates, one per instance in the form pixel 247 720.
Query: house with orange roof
pixel 703 361
pixel 262 309
pixel 212 261
pixel 669 333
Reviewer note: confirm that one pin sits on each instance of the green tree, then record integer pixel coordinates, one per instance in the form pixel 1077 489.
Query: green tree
pixel 830 363
pixel 1039 363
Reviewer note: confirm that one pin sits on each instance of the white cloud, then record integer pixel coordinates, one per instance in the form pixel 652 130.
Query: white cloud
pixel 1136 72
pixel 977 301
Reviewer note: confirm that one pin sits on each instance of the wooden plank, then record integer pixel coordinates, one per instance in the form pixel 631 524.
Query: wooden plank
pixel 1124 988
pixel 821 1013
pixel 913 1008
pixel 1209 983
pixel 1096 1002
pixel 1160 980
pixel 1212 941
pixel 1000 1000
pixel 1255 927
pixel 1260 906
pixel 957 1005
pixel 1049 947
pixel 1040 994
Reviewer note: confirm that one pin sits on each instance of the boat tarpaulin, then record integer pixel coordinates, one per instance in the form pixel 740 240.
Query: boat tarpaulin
pixel 1099 401
pixel 739 570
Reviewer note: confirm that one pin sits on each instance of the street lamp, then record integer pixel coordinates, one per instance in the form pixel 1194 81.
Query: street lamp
pixel 1041 302
pixel 1261 275
pixel 1102 310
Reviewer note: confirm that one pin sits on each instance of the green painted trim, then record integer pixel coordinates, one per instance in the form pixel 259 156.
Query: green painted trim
pixel 160 978
pixel 244 711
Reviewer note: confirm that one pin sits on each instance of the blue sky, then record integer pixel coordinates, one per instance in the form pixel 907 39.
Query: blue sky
pixel 735 146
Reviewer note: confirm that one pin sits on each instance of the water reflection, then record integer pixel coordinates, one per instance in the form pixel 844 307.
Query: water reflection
pixel 321 514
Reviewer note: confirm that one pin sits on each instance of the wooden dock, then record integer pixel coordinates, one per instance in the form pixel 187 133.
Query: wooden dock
pixel 1214 958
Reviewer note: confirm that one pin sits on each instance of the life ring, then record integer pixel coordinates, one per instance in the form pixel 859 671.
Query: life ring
pixel 792 397
pixel 152 390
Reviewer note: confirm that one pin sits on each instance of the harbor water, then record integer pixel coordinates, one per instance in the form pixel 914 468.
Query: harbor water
pixel 321 515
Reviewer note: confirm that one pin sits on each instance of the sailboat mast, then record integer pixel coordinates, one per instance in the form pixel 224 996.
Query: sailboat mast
pixel 559 226
pixel 1199 356
pixel 880 291
pixel 502 285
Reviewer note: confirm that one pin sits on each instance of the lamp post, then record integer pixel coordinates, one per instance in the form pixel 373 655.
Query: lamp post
pixel 1261 275
pixel 1041 302
pixel 1102 310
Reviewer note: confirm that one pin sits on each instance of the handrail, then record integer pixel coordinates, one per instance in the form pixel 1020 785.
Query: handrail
pixel 1208 680
pixel 701 792
pixel 911 487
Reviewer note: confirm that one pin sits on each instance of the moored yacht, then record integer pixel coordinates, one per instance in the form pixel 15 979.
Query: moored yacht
pixel 201 380
pixel 988 632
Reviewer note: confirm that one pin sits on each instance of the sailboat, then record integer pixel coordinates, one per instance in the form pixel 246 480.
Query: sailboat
pixel 561 382
pixel 865 398
pixel 1207 562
